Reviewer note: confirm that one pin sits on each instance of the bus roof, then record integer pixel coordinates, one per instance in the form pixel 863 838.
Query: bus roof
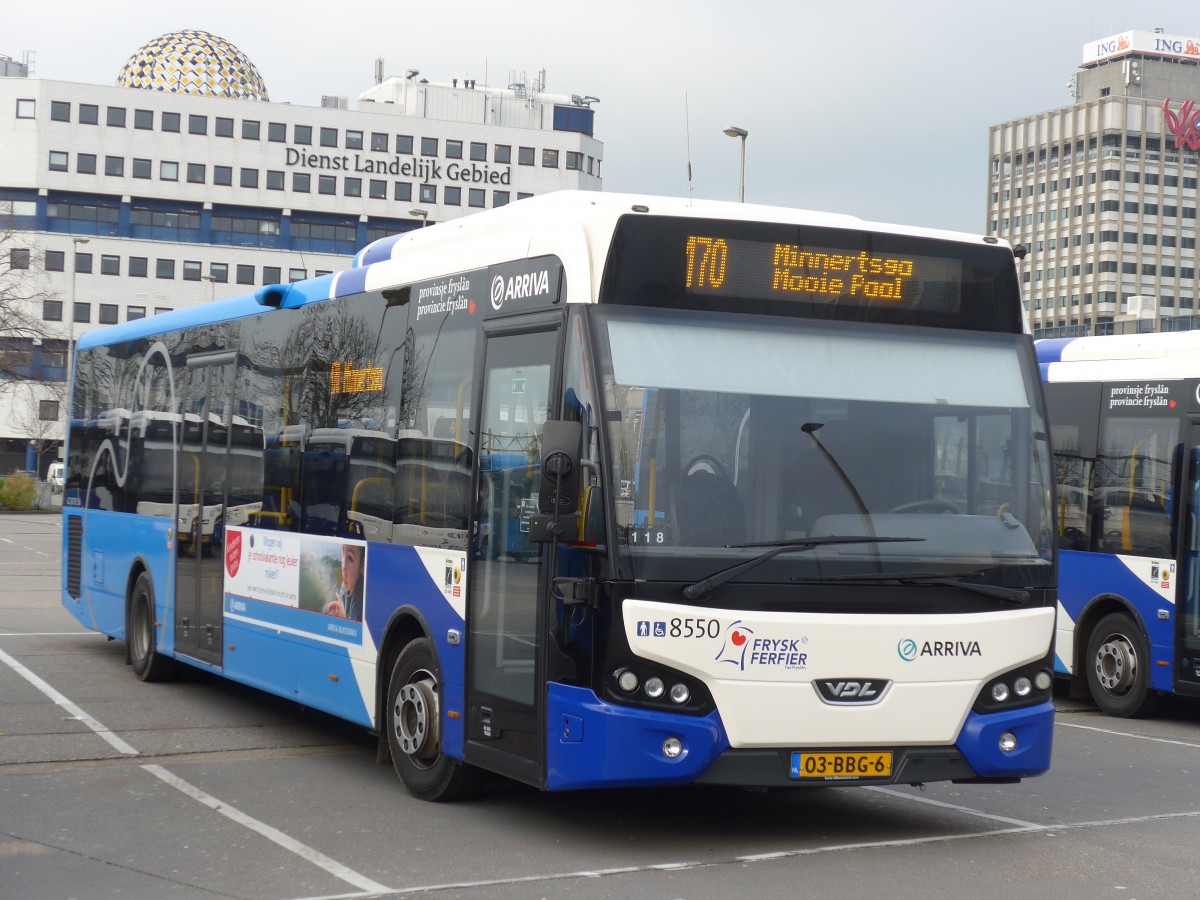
pixel 1120 357
pixel 575 226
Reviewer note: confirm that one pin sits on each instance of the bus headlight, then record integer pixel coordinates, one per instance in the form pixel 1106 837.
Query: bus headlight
pixel 672 748
pixel 1008 742
pixel 1042 680
pixel 999 691
pixel 1022 686
pixel 627 680
pixel 655 687
pixel 680 693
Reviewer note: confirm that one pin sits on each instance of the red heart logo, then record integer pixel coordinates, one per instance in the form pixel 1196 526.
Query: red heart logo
pixel 233 552
pixel 738 639
pixel 1171 403
pixel 471 308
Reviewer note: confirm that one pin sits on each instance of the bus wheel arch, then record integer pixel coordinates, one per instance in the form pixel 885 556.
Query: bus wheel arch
pixel 413 725
pixel 1115 660
pixel 141 629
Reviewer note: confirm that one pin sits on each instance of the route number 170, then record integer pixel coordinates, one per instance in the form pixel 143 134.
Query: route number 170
pixel 706 261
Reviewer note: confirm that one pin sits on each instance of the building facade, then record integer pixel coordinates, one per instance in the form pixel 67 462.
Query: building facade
pixel 184 183
pixel 1103 193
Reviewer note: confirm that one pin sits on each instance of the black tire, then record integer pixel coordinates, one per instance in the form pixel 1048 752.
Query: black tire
pixel 1118 668
pixel 414 729
pixel 141 634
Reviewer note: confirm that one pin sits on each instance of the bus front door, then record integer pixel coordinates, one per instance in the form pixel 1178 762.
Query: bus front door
pixel 206 415
pixel 506 616
pixel 1187 600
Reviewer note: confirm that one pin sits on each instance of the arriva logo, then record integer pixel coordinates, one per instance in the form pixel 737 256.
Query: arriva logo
pixel 907 648
pixel 518 287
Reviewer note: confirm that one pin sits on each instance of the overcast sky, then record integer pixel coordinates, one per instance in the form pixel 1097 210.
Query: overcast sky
pixel 878 108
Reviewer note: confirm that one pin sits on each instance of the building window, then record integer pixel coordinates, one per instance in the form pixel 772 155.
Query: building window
pixel 301 182
pixel 502 154
pixel 168 171
pixel 108 314
pixel 223 127
pixel 524 195
pixel 475 197
pixel 429 193
pixel 141 168
pixel 245 274
pixel 274 180
pixel 114 165
pixel 89 114
pixel 328 138
pixel 56 261
pixel 137 266
pixel 110 265
pixel 379 142
pixel 60 111
pixel 251 129
pixel 297 275
pixel 271 274
pixel 191 270
pixel 478 151
pixel 218 272
pixel 52 310
pixel 58 160
pixel 404 144
pixel 48 410
pixel 195 173
pixel 429 146
pixel 525 156
pixel 197 124
pixel 133 313
pixel 85 163
pixel 454 149
pixel 83 312
pixel 499 198
pixel 170 122
pixel 452 196
pixel 302 134
pixel 18 258
pixel 574 161
pixel 115 117
pixel 159 310
pixel 143 119
pixel 249 178
pixel 403 191
pixel 164 268
pixel 223 175
pixel 378 189
pixel 83 263
pixel 326 184
pixel 352 187
pixel 26 109
pixel 277 132
pixel 549 159
pixel 354 140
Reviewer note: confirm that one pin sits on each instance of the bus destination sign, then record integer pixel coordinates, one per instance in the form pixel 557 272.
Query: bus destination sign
pixel 764 269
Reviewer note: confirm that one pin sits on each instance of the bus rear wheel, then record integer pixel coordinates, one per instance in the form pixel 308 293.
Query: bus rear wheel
pixel 1118 668
pixel 141 635
pixel 414 729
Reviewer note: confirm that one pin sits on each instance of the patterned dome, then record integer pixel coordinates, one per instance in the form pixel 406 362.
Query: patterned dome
pixel 193 62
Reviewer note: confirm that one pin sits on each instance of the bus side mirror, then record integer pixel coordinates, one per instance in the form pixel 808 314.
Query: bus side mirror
pixel 557 517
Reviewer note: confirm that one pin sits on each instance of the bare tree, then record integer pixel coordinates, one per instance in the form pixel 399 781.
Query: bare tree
pixel 22 293
pixel 30 421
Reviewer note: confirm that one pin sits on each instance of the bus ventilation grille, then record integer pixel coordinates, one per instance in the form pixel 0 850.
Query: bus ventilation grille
pixel 74 555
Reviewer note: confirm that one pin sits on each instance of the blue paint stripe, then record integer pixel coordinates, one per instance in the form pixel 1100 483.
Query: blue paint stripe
pixel 377 251
pixel 352 281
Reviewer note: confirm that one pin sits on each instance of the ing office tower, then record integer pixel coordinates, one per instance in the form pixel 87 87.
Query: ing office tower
pixel 1103 193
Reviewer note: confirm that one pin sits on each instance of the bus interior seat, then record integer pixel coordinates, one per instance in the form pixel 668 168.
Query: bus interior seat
pixel 710 511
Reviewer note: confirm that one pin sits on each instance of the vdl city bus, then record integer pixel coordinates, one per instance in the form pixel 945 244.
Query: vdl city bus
pixel 1125 422
pixel 680 491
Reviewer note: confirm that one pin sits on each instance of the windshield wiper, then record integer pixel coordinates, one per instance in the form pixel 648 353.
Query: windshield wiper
pixel 700 588
pixel 1011 595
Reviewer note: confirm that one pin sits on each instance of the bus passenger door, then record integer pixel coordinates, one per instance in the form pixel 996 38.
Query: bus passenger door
pixel 506 611
pixel 1187 596
pixel 206 416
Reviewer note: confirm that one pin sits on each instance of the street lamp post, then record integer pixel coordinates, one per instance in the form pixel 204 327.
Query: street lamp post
pixel 422 214
pixel 734 131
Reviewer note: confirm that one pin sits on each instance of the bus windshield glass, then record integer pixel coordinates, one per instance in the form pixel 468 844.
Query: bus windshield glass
pixel 748 430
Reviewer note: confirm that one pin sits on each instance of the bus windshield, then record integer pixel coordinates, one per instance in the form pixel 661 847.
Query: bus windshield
pixel 747 430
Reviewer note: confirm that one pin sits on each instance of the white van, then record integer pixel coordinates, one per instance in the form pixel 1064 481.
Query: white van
pixel 55 475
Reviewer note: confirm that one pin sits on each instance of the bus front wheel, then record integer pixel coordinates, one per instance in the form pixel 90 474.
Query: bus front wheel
pixel 1118 667
pixel 141 634
pixel 414 729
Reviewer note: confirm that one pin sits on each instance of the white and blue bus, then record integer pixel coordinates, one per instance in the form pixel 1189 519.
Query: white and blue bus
pixel 598 490
pixel 1125 414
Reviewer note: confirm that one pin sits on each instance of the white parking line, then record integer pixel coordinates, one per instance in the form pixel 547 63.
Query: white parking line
pixel 115 742
pixel 1139 737
pixel 1020 823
